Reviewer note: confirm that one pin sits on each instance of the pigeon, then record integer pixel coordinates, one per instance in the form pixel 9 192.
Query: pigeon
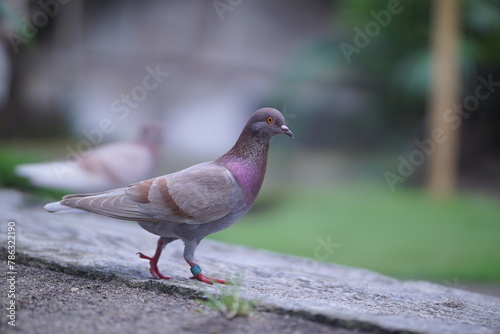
pixel 107 166
pixel 194 202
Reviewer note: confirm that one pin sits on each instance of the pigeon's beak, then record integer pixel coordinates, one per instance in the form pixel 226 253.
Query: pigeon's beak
pixel 286 131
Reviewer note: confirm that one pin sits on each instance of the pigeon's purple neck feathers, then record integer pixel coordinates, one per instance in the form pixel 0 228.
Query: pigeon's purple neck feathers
pixel 247 161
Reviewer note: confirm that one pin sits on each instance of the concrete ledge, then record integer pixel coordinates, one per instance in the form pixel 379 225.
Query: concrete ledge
pixel 356 298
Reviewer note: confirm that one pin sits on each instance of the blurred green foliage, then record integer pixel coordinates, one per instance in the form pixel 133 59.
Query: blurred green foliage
pixel 377 98
pixel 401 52
pixel 403 234
pixel 8 160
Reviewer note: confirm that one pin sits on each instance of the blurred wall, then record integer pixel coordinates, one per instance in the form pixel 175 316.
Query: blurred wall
pixel 195 65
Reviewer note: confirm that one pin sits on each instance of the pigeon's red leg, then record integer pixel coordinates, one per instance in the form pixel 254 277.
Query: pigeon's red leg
pixel 153 261
pixel 189 249
pixel 197 274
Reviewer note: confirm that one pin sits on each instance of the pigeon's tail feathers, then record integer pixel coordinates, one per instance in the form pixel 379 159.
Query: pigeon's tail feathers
pixel 114 203
pixel 57 207
pixel 79 203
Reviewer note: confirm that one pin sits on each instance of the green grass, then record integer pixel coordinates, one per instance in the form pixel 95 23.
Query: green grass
pixel 229 303
pixel 403 234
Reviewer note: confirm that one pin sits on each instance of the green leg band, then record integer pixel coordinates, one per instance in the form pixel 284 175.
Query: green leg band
pixel 195 270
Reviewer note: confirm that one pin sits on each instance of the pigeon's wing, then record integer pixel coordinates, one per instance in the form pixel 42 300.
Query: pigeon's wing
pixel 196 195
pixel 200 194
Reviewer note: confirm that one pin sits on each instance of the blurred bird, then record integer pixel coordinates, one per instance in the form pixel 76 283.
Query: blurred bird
pixel 194 202
pixel 104 167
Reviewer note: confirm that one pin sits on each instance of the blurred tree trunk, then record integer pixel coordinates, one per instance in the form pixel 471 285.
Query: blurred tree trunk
pixel 444 93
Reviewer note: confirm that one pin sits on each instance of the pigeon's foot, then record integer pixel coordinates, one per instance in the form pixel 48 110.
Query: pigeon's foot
pixel 202 278
pixel 153 269
pixel 197 274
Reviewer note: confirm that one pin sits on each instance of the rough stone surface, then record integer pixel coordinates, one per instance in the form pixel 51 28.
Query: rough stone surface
pixel 55 302
pixel 94 246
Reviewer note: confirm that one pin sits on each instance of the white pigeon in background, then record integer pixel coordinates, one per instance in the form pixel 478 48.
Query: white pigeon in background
pixel 110 165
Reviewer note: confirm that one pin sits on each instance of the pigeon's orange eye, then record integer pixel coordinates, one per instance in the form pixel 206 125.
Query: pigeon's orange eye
pixel 269 120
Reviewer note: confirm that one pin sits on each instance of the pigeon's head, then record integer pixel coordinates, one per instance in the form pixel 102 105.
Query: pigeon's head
pixel 269 121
